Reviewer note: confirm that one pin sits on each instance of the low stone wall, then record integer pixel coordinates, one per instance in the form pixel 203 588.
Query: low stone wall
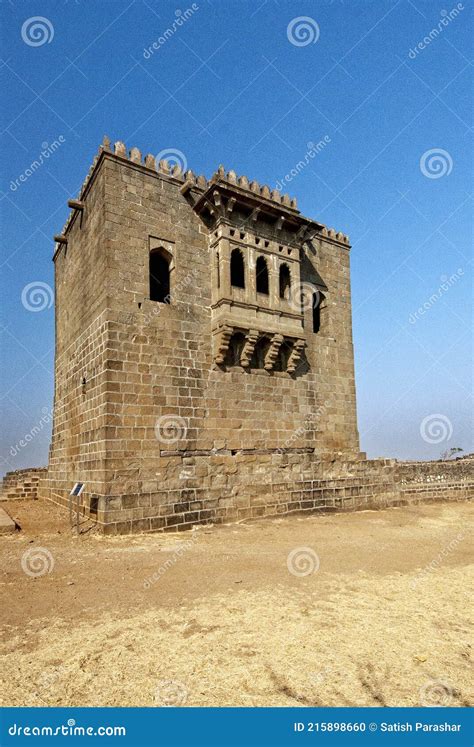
pixel 227 488
pixel 443 480
pixel 22 484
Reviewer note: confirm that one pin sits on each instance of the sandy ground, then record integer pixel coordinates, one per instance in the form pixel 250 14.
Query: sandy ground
pixel 225 616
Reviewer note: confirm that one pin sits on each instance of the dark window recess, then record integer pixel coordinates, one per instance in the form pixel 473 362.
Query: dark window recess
pixel 160 276
pixel 262 276
pixel 218 270
pixel 237 271
pixel 94 504
pixel 281 363
pixel 259 353
pixel 285 282
pixel 317 301
pixel 234 351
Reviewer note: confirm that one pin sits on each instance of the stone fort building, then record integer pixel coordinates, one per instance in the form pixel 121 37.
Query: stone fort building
pixel 204 364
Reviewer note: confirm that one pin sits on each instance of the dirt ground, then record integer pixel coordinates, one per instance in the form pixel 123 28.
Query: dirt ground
pixel 224 615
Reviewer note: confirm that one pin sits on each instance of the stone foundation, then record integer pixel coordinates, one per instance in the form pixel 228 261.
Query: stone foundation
pixel 22 484
pixel 226 488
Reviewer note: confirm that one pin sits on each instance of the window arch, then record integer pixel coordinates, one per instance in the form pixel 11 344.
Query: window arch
pixel 237 269
pixel 159 272
pixel 261 272
pixel 285 282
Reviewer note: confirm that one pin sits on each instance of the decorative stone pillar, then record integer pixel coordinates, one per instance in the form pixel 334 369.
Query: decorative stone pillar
pixel 224 266
pixel 274 281
pixel 251 275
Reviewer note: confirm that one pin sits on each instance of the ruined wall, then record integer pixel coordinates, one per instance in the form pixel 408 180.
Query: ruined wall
pixel 224 488
pixel 23 484
pixel 441 480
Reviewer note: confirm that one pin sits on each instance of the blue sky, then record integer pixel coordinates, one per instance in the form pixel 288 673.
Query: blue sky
pixel 249 85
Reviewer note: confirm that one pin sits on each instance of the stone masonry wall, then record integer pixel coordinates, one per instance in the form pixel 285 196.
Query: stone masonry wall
pixel 77 451
pixel 161 435
pixel 125 364
pixel 229 488
pixel 23 484
pixel 161 355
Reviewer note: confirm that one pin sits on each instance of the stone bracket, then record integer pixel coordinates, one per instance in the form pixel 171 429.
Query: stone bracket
pixel 221 343
pixel 272 352
pixel 296 355
pixel 222 336
pixel 248 348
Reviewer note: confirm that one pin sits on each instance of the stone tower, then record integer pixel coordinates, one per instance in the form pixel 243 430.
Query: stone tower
pixel 204 363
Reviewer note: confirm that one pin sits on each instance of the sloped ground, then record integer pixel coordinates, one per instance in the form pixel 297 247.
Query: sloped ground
pixel 224 616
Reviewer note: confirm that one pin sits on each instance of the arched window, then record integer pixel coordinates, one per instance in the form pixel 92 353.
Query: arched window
pixel 262 276
pixel 317 301
pixel 159 264
pixel 237 271
pixel 285 282
pixel 218 268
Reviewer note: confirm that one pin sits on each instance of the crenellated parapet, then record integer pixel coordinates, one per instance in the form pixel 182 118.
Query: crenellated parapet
pixel 330 233
pixel 215 196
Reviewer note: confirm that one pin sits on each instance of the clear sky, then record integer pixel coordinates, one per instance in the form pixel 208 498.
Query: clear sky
pixel 385 86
